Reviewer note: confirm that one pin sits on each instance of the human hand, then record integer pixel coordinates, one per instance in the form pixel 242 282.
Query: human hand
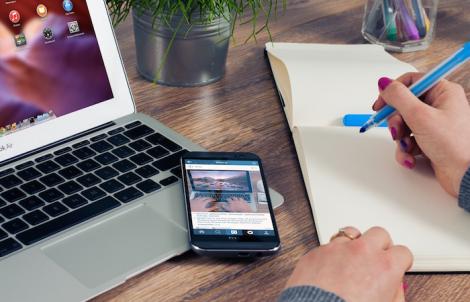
pixel 203 204
pixel 237 205
pixel 438 128
pixel 367 269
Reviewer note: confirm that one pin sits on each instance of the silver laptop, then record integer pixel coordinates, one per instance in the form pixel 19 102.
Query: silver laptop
pixel 89 189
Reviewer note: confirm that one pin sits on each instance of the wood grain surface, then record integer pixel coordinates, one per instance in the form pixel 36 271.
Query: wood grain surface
pixel 242 113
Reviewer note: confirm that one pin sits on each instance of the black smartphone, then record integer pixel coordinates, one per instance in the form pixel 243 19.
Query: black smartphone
pixel 228 205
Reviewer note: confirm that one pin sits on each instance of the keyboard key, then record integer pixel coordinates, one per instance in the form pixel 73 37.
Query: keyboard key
pixel 14 226
pixel 51 195
pixel 55 209
pixel 112 186
pixel 70 187
pixel 176 171
pixel 66 159
pixel 84 153
pixel 140 145
pixel 106 158
pixel 43 158
pixel 169 162
pixel 3 234
pixel 48 167
pixel 93 193
pixel 24 165
pixel 35 217
pixel 101 146
pixel 68 220
pixel 8 246
pixel 158 139
pixel 29 174
pixel 88 165
pixel 62 151
pixel 106 173
pixel 118 140
pixel 124 166
pixel 129 194
pixel 70 172
pixel 168 181
pixel 123 152
pixel 139 132
pixel 51 180
pixel 6 172
pixel 147 171
pixel 33 187
pixel 74 201
pixel 98 137
pixel 88 180
pixel 129 178
pixel 10 181
pixel 30 203
pixel 11 211
pixel 148 186
pixel 141 159
pixel 80 144
pixel 13 195
pixel 116 131
pixel 158 152
pixel 132 125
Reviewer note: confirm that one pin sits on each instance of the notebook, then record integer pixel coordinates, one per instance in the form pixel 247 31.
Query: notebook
pixel 352 178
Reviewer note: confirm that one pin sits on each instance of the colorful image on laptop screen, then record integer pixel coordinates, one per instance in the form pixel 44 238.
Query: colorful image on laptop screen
pixel 50 62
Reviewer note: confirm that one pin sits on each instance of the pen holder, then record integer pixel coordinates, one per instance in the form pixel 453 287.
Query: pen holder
pixel 400 25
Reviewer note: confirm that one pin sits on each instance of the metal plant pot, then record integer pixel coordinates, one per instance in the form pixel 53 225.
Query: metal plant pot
pixel 195 57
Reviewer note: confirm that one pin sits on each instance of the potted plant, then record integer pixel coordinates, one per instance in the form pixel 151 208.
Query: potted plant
pixel 185 42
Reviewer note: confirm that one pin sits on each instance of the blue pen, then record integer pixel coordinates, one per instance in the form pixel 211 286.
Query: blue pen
pixel 420 22
pixel 424 84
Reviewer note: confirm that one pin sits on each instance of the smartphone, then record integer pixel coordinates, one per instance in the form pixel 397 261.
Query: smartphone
pixel 228 206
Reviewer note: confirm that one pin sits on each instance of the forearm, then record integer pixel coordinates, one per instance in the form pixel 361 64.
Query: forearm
pixel 308 294
pixel 464 194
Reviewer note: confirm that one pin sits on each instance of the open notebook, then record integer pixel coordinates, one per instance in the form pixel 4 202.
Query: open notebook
pixel 352 178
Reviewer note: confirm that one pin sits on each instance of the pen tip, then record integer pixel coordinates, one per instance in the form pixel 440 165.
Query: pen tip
pixel 363 129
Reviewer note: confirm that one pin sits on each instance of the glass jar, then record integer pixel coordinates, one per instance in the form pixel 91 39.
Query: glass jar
pixel 400 25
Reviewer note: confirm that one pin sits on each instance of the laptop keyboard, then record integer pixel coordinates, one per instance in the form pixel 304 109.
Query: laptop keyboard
pixel 56 191
pixel 223 197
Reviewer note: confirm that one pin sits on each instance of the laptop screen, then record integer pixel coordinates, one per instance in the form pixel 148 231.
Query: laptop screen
pixel 225 181
pixel 50 62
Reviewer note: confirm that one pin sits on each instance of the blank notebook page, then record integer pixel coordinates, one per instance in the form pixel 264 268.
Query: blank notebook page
pixel 353 179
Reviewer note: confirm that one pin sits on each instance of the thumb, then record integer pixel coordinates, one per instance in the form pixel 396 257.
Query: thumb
pixel 412 109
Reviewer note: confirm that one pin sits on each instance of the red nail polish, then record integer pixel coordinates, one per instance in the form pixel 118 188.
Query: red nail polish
pixel 393 131
pixel 409 164
pixel 384 82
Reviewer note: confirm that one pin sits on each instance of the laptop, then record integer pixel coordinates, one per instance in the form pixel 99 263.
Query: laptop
pixel 90 191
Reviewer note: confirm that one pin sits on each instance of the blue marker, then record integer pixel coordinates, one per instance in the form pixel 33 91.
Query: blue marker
pixel 357 120
pixel 424 84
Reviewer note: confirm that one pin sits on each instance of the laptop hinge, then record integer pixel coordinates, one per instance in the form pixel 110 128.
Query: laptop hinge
pixel 55 144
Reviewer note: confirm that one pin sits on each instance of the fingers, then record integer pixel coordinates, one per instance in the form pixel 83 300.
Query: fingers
pixel 409 106
pixel 410 78
pixel 401 257
pixel 378 237
pixel 345 234
pixel 398 128
pixel 400 295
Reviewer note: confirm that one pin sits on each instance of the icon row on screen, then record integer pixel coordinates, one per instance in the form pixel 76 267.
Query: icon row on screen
pixel 41 11
pixel 47 33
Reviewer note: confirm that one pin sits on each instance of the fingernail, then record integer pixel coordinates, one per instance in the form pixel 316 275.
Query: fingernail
pixel 408 164
pixel 393 131
pixel 405 286
pixel 403 145
pixel 384 82
pixel 373 105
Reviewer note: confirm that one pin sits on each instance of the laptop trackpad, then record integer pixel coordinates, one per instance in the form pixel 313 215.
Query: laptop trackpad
pixel 133 240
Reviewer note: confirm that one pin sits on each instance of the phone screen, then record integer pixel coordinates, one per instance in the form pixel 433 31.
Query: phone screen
pixel 227 200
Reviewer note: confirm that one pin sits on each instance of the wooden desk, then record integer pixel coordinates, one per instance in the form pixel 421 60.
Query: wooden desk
pixel 242 112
